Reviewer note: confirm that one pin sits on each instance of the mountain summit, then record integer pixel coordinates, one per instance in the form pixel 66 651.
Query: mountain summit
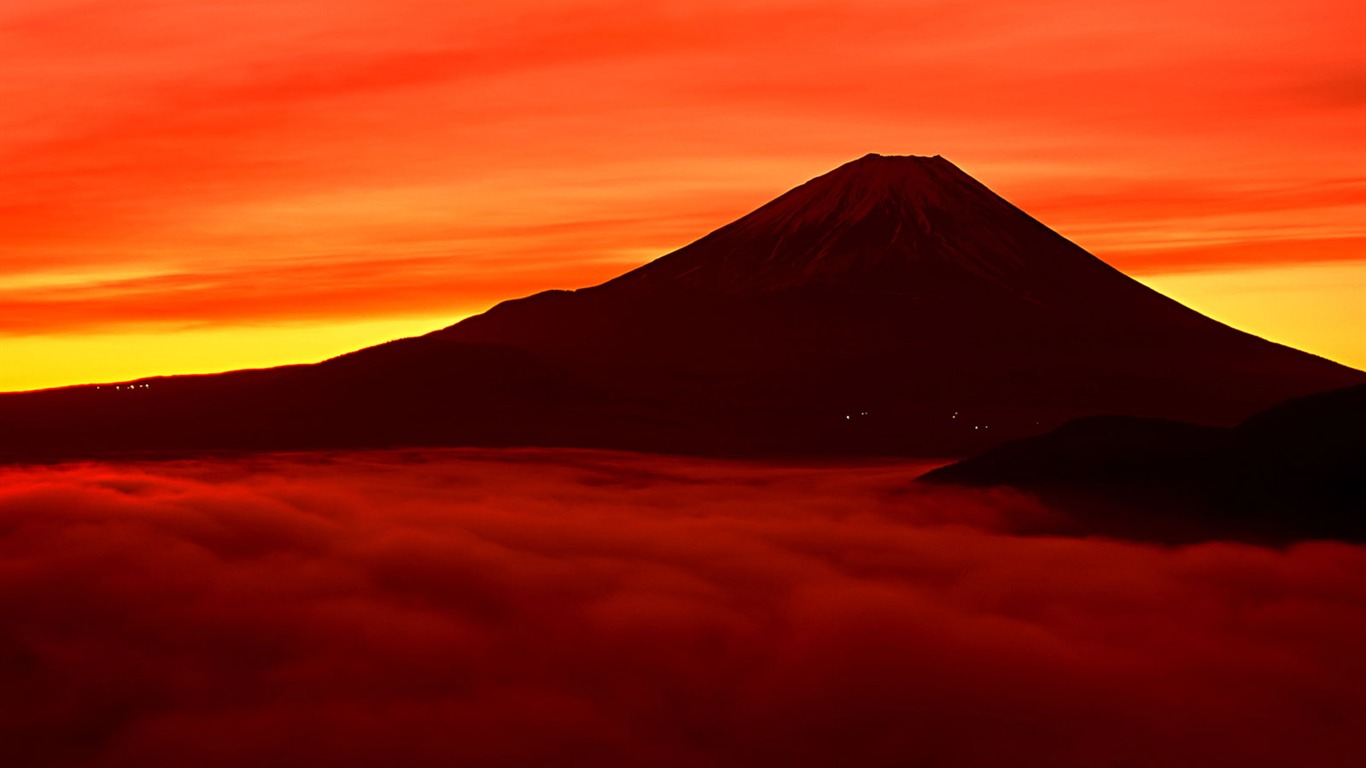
pixel 894 305
pixel 875 219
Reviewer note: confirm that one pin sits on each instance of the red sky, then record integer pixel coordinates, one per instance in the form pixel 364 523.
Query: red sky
pixel 198 186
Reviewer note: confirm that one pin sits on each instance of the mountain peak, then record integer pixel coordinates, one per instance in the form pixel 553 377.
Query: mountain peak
pixel 875 158
pixel 910 180
pixel 878 221
pixel 899 170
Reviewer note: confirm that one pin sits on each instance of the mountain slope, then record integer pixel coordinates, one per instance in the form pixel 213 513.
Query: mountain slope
pixel 903 289
pixel 892 306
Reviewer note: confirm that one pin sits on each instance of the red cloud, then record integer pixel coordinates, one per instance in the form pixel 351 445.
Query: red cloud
pixel 579 608
pixel 214 142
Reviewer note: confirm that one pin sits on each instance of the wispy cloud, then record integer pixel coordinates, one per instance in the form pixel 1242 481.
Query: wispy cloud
pixel 200 139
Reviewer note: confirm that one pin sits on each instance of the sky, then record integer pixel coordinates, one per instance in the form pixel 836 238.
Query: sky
pixel 194 186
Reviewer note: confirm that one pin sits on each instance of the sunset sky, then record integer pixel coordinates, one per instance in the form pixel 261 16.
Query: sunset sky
pixel 195 186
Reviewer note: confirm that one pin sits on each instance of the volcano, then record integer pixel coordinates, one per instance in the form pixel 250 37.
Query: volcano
pixel 892 306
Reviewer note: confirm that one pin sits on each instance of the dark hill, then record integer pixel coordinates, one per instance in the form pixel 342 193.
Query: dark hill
pixel 1296 471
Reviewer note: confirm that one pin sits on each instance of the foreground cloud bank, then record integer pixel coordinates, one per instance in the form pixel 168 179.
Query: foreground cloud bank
pixel 578 608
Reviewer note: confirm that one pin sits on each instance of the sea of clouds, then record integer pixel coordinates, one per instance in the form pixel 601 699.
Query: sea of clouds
pixel 566 608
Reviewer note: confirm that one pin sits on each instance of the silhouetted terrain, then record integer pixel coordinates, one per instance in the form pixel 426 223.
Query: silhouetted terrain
pixel 892 306
pixel 1292 472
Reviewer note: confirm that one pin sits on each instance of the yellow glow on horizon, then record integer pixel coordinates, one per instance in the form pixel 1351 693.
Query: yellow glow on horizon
pixel 1319 308
pixel 44 361
pixel 1314 307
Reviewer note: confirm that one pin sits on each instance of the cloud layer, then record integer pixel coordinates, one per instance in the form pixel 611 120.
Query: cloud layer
pixel 578 608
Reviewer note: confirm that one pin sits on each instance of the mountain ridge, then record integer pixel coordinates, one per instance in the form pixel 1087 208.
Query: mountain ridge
pixel 904 299
pixel 893 306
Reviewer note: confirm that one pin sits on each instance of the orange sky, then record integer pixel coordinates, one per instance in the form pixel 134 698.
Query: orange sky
pixel 190 186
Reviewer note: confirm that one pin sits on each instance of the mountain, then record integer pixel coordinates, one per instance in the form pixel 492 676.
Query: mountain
pixel 892 306
pixel 903 289
pixel 1295 471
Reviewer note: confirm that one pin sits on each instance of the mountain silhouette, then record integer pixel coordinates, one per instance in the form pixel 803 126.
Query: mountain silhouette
pixel 892 306
pixel 1295 471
